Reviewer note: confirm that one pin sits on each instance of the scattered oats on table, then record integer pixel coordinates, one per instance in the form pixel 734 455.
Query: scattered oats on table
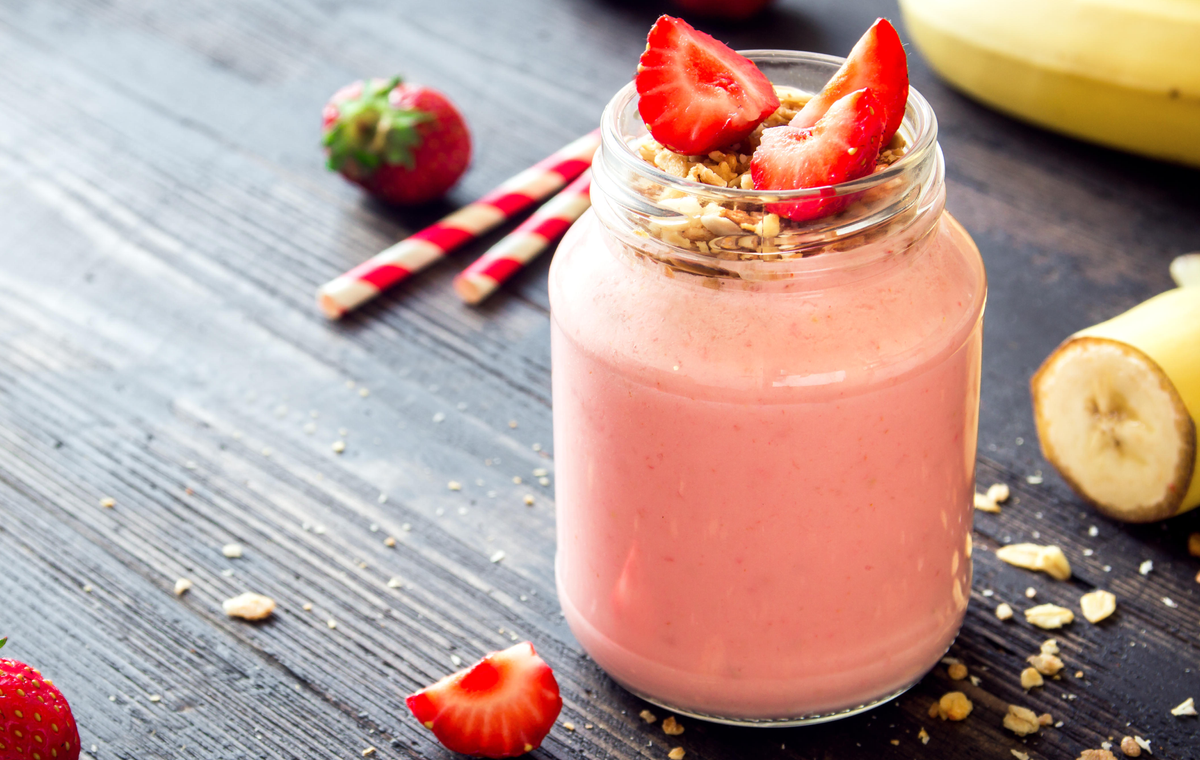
pixel 1146 567
pixel 647 716
pixel 108 502
pixel 1186 707
pixel 923 735
pixel 671 727
pixel 181 586
pixel 1129 747
pixel 1003 611
pixel 957 671
pixel 1046 664
pixel 390 541
pixel 953 705
pixel 454 485
pixel 1021 721
pixel 569 726
pixel 1019 754
pixel 338 447
pixel 984 504
pixel 676 754
pixel 249 606
pixel 1096 754
pixel 369 750
pixel 1049 646
pixel 1049 616
pixel 1030 592
pixel 1047 559
pixel 1046 719
pixel 1030 678
pixel 232 551
pixel 1097 605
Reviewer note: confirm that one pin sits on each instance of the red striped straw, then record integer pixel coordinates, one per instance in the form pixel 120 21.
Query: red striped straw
pixel 385 269
pixel 523 244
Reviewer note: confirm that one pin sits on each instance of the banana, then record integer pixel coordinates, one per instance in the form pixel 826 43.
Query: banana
pixel 1117 404
pixel 1122 73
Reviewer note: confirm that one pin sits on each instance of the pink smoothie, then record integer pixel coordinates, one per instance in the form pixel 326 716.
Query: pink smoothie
pixel 765 496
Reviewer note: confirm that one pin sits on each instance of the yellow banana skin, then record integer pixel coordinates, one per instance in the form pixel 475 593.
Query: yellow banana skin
pixel 1121 73
pixel 1167 329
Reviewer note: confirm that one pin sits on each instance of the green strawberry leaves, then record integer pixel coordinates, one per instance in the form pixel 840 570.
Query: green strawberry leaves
pixel 371 132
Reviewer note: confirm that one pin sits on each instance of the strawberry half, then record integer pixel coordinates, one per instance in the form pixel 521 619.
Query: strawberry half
pixel 502 706
pixel 878 62
pixel 842 146
pixel 696 94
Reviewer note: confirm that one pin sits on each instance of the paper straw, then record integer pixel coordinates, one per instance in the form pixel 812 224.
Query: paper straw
pixel 523 244
pixel 385 269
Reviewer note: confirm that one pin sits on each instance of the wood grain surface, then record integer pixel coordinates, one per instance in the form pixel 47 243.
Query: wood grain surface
pixel 165 219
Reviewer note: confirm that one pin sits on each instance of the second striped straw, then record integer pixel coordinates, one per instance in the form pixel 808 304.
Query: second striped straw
pixel 525 243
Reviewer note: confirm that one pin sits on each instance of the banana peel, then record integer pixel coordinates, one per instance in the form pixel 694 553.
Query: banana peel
pixel 1121 73
pixel 1117 407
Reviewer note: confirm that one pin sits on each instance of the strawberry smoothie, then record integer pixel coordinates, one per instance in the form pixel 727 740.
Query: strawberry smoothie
pixel 765 478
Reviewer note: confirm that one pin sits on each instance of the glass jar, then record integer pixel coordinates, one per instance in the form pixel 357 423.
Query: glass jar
pixel 765 430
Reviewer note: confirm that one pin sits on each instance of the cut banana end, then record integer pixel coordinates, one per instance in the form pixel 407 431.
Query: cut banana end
pixel 1110 419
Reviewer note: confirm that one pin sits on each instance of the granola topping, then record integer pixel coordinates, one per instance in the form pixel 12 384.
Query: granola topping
pixel 738 231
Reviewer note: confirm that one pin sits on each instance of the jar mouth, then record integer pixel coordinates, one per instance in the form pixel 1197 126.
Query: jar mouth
pixel 618 130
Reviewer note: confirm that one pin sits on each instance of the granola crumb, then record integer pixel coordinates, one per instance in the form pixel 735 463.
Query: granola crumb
pixel 331 623
pixel 1046 719
pixel 954 706
pixel 1186 707
pixel 1096 754
pixel 1046 664
pixel 338 446
pixel 249 606
pixel 895 742
pixel 1146 567
pixel 1079 674
pixel 676 754
pixel 307 606
pixel 1097 605
pixel 957 671
pixel 1021 721
pixel 1050 646
pixel 1129 747
pixel 108 502
pixel 1047 559
pixel 569 726
pixel 232 551
pixel 1049 616
pixel 454 485
pixel 1003 611
pixel 390 541
pixel 369 750
pixel 156 698
pixel 984 504
pixel 1019 754
pixel 394 583
pixel 181 586
pixel 671 727
pixel 998 492
pixel 923 735
pixel 647 716
pixel 1194 544
pixel 1030 678
pixel 529 500
pixel 1030 592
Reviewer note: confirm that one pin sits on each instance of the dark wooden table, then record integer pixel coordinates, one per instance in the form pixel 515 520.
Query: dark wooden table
pixel 164 222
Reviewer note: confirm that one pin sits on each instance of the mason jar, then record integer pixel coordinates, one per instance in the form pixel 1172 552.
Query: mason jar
pixel 765 430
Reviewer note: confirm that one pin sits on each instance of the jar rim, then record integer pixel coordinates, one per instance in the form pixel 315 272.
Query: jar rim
pixel 919 128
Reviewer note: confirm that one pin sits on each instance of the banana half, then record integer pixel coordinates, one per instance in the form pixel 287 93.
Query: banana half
pixel 1116 408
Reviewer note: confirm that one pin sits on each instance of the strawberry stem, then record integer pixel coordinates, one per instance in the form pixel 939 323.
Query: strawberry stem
pixel 370 132
pixel 3 641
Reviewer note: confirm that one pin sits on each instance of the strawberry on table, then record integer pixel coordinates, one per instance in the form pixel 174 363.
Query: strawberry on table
pixel 696 94
pixel 736 10
pixel 405 143
pixel 842 146
pixel 35 719
pixel 878 62
pixel 502 706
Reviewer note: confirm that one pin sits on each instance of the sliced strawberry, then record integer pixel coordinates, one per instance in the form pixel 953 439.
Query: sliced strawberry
pixel 878 62
pixel 502 706
pixel 842 146
pixel 696 94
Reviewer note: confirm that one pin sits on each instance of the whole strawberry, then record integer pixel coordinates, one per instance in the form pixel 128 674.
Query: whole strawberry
pixel 35 720
pixel 736 10
pixel 404 143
